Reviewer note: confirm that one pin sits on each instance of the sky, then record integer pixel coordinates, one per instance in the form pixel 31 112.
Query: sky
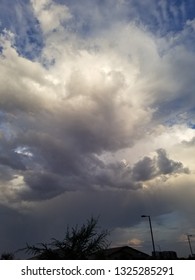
pixel 97 118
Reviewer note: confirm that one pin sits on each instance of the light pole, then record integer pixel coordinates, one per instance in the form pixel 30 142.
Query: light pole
pixel 188 236
pixel 149 219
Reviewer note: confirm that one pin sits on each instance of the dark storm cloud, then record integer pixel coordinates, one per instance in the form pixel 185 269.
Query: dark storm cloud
pixel 18 228
pixel 91 173
pixel 144 169
pixel 12 222
pixel 8 157
pixel 42 185
pixel 117 175
pixel 168 166
pixel 121 208
pixel 6 174
pixel 149 168
pixel 12 161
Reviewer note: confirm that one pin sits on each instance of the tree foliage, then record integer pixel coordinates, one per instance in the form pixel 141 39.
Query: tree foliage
pixel 7 256
pixel 79 243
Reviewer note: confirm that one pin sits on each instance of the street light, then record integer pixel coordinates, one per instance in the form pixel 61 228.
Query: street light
pixel 188 236
pixel 149 219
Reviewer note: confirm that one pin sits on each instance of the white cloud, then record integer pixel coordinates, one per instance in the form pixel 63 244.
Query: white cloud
pixel 123 80
pixel 191 23
pixel 50 14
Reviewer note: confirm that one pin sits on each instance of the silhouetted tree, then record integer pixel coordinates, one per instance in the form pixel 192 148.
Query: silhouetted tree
pixel 7 256
pixel 79 243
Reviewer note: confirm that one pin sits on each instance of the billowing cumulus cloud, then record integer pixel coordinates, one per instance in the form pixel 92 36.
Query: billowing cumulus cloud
pixel 98 112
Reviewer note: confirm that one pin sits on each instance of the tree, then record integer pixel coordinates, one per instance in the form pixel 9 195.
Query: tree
pixel 7 256
pixel 79 244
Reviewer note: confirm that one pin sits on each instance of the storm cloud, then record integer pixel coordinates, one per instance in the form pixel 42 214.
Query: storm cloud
pixel 96 114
